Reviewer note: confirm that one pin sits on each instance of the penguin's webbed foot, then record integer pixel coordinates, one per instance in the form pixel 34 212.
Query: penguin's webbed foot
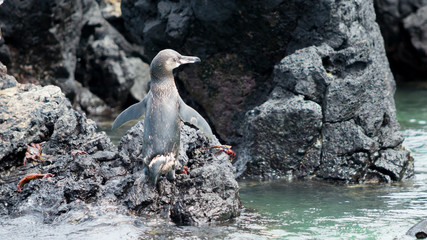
pixel 161 165
pixel 171 175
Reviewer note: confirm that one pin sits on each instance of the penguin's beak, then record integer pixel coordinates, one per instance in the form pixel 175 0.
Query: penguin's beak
pixel 188 59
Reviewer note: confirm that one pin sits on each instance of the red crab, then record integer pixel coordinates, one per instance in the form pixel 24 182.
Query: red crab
pixel 34 151
pixel 75 152
pixel 30 177
pixel 223 148
pixel 185 170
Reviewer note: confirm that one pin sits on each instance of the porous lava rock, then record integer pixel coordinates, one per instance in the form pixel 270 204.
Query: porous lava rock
pixel 89 172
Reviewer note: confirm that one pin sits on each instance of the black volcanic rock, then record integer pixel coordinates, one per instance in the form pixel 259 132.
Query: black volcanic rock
pixel 331 113
pixel 43 115
pixel 403 26
pixel 238 41
pixel 71 45
pixel 416 25
pixel 301 88
pixel 207 194
pixel 90 172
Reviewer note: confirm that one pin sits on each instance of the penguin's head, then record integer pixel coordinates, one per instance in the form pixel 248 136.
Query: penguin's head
pixel 167 60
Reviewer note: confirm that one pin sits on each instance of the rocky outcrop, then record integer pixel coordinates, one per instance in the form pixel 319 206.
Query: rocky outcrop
pixel 43 115
pixel 89 171
pixel 238 41
pixel 326 106
pixel 325 110
pixel 32 114
pixel 207 194
pixel 331 113
pixel 323 120
pixel 291 126
pixel 71 45
pixel 403 26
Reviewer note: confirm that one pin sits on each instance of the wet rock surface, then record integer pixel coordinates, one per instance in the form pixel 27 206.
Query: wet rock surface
pixel 301 88
pixel 89 171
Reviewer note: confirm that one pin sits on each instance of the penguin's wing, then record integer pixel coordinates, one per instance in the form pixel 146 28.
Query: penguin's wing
pixel 131 113
pixel 188 114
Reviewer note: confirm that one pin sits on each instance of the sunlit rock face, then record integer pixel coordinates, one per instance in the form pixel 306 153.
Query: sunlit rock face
pixel 302 88
pixel 86 171
pixel 33 114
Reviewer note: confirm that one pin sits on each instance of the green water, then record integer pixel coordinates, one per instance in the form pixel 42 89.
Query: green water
pixel 310 210
pixel 313 210
pixel 411 105
pixel 274 210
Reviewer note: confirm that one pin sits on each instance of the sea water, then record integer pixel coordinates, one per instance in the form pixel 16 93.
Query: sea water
pixel 274 209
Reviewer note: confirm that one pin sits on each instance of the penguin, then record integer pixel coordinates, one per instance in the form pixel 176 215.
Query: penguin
pixel 163 111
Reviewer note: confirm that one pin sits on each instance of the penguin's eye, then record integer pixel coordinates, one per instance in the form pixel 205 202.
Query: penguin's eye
pixel 175 59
